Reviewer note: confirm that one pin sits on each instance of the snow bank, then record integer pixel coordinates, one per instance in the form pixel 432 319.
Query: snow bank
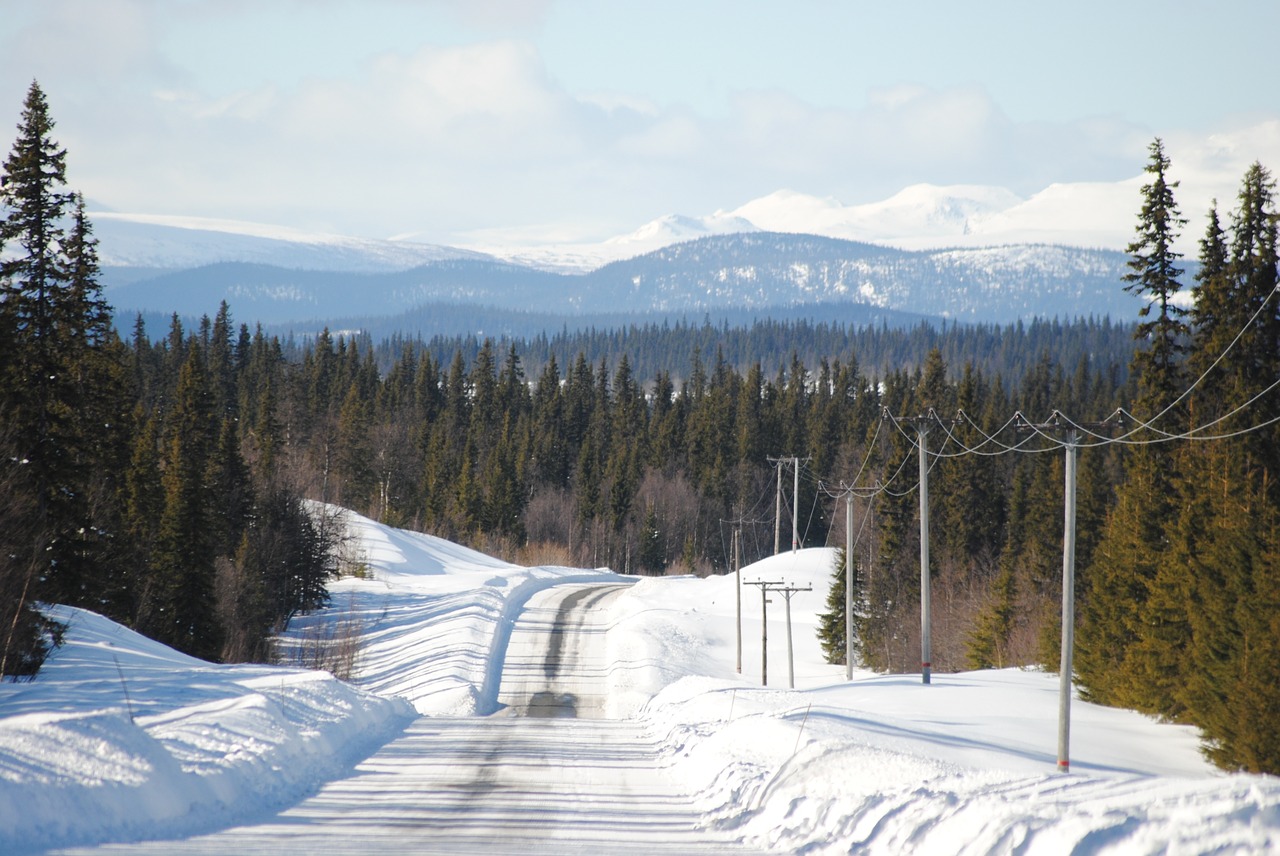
pixel 121 738
pixel 885 764
pixel 433 617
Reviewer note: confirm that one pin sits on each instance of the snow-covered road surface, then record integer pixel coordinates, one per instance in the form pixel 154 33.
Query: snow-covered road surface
pixel 557 662
pixel 546 774
pixel 501 785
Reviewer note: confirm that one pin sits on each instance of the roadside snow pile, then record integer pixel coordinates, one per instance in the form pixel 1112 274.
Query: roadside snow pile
pixel 432 617
pixel 122 738
pixel 885 764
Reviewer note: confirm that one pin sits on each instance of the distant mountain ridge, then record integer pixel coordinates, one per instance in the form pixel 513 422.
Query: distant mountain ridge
pixel 738 271
pixel 179 243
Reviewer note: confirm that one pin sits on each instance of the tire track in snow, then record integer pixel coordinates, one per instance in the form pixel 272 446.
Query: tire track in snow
pixel 547 782
pixel 556 663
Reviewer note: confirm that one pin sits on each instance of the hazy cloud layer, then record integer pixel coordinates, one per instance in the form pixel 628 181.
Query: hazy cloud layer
pixel 451 138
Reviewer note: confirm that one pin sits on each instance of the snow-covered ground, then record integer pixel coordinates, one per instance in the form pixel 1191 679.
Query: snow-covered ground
pixel 121 739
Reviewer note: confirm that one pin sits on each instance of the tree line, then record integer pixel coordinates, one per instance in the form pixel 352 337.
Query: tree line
pixel 124 487
pixel 651 347
pixel 1178 539
pixel 1183 617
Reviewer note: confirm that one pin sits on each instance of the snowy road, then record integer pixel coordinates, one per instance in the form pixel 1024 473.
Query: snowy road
pixel 548 774
pixel 557 663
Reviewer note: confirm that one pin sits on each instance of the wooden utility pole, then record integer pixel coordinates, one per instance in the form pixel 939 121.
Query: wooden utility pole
pixel 926 621
pixel 765 588
pixel 922 425
pixel 777 514
pixel 737 586
pixel 848 586
pixel 1071 443
pixel 795 506
pixel 1068 604
pixel 787 592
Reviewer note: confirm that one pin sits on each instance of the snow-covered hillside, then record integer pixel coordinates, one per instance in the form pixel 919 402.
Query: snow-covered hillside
pixel 174 243
pixel 121 739
pixel 919 217
pixel 757 271
pixel 923 216
pixel 970 253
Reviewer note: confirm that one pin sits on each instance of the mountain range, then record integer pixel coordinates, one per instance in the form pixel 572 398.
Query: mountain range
pixel 922 252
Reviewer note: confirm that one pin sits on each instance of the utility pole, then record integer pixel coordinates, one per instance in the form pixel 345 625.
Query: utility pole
pixel 737 586
pixel 1071 443
pixel 795 506
pixel 777 514
pixel 765 588
pixel 1068 604
pixel 926 621
pixel 787 592
pixel 922 425
pixel 848 586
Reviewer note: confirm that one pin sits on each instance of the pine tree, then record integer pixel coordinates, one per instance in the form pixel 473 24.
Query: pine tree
pixel 1154 278
pixel 38 399
pixel 23 645
pixel 1224 563
pixel 1113 668
pixel 650 557
pixel 353 465
pixel 831 624
pixel 60 400
pixel 143 506
pixel 182 612
pixel 550 446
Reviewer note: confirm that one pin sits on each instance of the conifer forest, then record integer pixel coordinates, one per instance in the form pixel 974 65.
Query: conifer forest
pixel 171 479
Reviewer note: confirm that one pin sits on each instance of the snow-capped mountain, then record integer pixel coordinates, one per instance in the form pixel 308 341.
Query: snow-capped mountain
pixel 928 249
pixel 174 243
pixel 766 269
pixel 745 271
pixel 920 217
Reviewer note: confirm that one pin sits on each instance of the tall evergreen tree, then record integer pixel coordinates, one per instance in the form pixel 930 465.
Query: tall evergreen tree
pixel 1113 667
pixel 1154 277
pixel 183 611
pixel 59 403
pixel 836 647
pixel 1233 484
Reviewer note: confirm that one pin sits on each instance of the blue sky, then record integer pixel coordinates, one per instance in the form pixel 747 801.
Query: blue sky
pixel 575 119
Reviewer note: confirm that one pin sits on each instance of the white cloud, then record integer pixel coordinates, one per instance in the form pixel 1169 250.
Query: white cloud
pixel 450 138
pixel 671 137
pixel 500 15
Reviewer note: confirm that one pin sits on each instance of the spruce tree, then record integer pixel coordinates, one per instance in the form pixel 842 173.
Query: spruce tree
pixel 1113 667
pixel 1226 565
pixel 831 624
pixel 181 611
pixel 1154 278
pixel 60 403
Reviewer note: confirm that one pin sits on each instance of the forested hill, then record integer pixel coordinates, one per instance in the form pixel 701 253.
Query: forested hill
pixel 1008 351
pixel 759 272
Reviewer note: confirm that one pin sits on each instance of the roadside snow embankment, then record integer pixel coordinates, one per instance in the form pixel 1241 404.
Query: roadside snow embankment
pixel 432 617
pixel 885 764
pixel 123 738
